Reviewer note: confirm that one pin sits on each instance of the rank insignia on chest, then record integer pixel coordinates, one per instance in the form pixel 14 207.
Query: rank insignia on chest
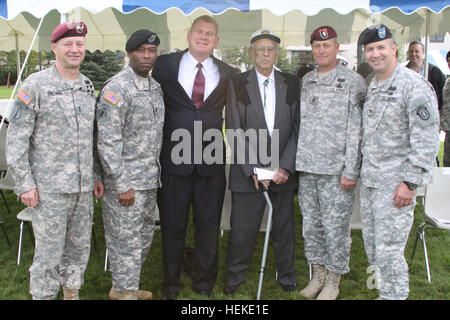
pixel 24 97
pixel 111 97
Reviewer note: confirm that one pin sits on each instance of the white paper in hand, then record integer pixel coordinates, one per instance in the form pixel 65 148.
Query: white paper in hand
pixel 264 174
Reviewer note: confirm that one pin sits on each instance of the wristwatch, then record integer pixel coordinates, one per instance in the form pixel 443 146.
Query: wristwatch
pixel 410 185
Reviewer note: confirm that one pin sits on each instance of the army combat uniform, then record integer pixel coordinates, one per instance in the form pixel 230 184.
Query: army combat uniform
pixel 328 148
pixel 49 147
pixel 130 117
pixel 400 143
pixel 445 121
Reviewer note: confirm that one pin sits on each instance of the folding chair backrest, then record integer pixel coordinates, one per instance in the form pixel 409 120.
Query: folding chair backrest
pixel 3 163
pixel 437 194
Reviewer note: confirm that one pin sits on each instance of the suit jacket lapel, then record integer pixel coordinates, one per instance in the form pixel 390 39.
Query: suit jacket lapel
pixel 222 78
pixel 280 94
pixel 255 98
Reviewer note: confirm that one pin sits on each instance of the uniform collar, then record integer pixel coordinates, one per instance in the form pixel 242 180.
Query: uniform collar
pixel 139 82
pixel 192 62
pixel 330 78
pixel 387 84
pixel 65 84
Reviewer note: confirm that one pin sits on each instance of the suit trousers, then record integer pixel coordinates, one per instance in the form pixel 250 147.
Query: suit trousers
pixel 246 214
pixel 178 193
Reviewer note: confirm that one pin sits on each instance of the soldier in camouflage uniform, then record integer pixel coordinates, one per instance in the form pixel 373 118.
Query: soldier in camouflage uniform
pixel 445 121
pixel 50 152
pixel 328 158
pixel 400 143
pixel 130 119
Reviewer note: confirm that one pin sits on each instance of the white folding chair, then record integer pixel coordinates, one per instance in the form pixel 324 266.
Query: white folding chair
pixel 355 219
pixel 436 209
pixel 24 216
pixel 226 209
pixel 6 181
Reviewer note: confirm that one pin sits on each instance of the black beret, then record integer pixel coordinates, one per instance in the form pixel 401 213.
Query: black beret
pixel 138 38
pixel 374 33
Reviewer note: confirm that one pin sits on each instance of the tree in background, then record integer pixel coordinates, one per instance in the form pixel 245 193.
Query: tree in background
pixel 97 66
pixel 100 66
pixel 240 57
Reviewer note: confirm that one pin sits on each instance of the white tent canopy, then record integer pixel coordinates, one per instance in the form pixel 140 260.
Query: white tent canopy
pixel 110 23
pixel 28 24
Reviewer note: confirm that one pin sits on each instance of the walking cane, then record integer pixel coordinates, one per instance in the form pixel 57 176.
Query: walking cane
pixel 266 244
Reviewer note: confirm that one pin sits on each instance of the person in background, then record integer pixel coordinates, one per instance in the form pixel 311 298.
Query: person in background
pixel 445 121
pixel 416 54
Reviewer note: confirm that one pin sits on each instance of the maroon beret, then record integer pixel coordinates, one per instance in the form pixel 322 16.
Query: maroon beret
pixel 323 33
pixel 69 29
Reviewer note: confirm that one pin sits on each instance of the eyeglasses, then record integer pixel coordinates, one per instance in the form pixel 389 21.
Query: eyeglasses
pixel 261 50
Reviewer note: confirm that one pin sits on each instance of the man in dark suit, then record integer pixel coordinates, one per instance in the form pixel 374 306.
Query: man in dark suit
pixel 194 86
pixel 264 101
pixel 416 54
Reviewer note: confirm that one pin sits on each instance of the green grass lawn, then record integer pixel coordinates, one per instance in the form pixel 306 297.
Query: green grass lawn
pixel 14 279
pixel 5 92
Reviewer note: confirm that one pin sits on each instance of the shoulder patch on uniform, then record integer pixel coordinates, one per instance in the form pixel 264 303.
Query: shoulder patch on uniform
pixel 24 97
pixel 111 97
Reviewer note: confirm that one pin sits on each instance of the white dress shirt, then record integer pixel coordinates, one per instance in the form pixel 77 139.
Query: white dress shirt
pixel 270 94
pixel 188 70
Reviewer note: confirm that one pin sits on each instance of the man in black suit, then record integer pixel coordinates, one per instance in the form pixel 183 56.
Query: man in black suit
pixel 194 86
pixel 416 54
pixel 262 102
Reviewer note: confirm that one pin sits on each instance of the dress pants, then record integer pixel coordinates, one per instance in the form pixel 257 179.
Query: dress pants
pixel 206 194
pixel 246 214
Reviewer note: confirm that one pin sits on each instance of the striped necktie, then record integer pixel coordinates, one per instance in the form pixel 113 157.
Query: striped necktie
pixel 198 91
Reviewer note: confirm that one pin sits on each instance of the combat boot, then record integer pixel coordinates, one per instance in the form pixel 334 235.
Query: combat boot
pixel 70 294
pixel 331 289
pixel 127 295
pixel 317 282
pixel 141 294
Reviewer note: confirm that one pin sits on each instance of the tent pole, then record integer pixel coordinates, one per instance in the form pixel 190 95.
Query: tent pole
pixel 16 40
pixel 427 41
pixel 21 70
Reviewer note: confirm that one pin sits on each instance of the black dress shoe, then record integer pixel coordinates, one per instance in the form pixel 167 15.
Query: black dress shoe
pixel 289 287
pixel 170 295
pixel 204 292
pixel 229 290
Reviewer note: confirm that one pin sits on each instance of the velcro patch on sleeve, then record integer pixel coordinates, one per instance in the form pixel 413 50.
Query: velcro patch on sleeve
pixel 24 97
pixel 111 97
